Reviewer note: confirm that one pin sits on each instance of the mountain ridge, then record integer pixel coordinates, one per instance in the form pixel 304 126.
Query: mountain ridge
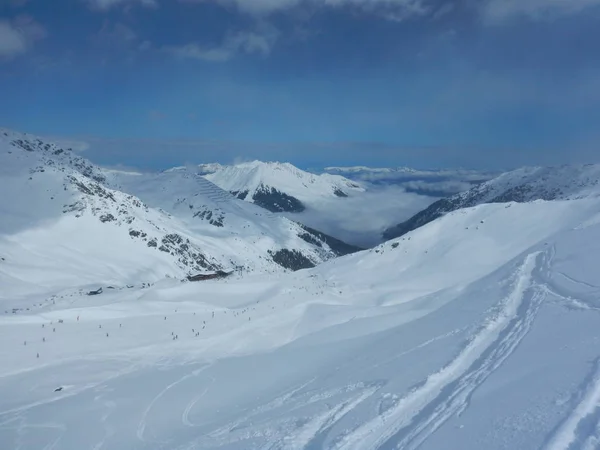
pixel 521 185
pixel 277 186
pixel 63 198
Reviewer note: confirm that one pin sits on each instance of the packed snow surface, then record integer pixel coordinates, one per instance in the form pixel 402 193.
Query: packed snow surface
pixel 480 330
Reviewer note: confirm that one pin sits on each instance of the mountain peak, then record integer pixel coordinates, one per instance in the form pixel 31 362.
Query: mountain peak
pixel 278 186
pixel 171 223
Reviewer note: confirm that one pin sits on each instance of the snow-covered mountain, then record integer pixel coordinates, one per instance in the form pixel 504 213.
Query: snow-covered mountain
pixel 521 185
pixel 476 331
pixel 62 216
pixel 208 210
pixel 278 187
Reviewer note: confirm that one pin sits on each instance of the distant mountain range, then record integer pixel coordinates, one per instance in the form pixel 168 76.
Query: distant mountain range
pixel 321 199
pixel 66 216
pixel 521 185
pixel 433 183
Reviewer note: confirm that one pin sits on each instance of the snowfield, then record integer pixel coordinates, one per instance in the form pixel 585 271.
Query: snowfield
pixel 478 330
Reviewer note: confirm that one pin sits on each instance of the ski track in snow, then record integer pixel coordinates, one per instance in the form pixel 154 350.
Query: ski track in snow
pixel 579 282
pixel 23 425
pixel 426 408
pixel 420 346
pixel 460 393
pixel 185 417
pixel 109 431
pixel 572 430
pixel 142 424
pixel 272 405
pixel 311 431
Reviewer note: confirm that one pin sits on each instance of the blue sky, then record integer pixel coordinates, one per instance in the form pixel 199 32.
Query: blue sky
pixel 425 83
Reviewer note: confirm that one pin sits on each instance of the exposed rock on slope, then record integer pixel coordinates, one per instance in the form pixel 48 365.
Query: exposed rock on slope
pixel 277 187
pixel 64 212
pixel 522 185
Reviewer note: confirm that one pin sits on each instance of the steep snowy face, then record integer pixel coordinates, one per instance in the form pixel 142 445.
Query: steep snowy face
pixel 61 224
pixel 68 222
pixel 278 187
pixel 253 236
pixel 522 185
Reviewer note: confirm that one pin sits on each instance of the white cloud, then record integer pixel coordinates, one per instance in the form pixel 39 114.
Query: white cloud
pixel 255 42
pixel 499 10
pixel 384 207
pixel 104 5
pixel 195 51
pixel 115 35
pixel 19 35
pixel 12 42
pixel 392 9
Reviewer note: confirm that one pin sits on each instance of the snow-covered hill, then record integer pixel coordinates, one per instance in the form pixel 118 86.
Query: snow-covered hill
pixel 476 331
pixel 237 227
pixel 278 187
pixel 521 185
pixel 66 222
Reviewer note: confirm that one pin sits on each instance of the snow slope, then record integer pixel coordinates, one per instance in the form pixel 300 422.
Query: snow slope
pixel 521 185
pixel 66 222
pixel 278 187
pixel 477 330
pixel 238 228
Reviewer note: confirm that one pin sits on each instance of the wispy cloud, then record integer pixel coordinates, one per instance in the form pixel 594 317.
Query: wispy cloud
pixel 496 11
pixel 115 35
pixel 384 206
pixel 258 42
pixel 104 5
pixel 399 10
pixel 19 35
pixel 12 42
pixel 392 9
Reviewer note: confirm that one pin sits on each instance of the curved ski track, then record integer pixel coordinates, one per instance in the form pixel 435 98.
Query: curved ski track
pixel 577 428
pixel 446 393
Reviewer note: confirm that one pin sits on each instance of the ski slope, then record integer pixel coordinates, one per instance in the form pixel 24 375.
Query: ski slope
pixel 478 330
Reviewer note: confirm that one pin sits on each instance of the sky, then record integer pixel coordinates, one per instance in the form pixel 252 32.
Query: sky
pixel 422 83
